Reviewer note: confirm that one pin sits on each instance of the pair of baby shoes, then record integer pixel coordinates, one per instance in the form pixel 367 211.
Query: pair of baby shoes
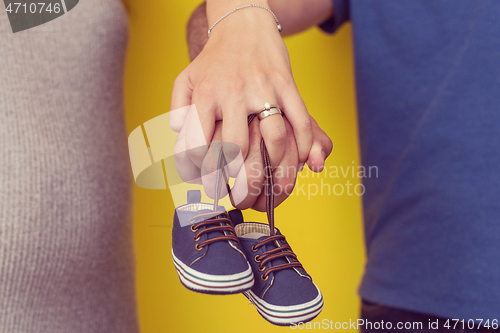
pixel 216 252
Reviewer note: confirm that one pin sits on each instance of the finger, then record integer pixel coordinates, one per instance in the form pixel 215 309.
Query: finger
pixel 296 112
pixel 211 163
pixel 284 175
pixel 214 172
pixel 208 175
pixel 199 131
pixel 321 148
pixel 235 130
pixel 249 182
pixel 181 97
pixel 274 133
pixel 186 169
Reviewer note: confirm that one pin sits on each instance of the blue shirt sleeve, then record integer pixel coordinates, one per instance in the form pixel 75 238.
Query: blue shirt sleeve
pixel 340 15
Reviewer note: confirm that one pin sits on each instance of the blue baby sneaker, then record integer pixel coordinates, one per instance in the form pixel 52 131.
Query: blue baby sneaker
pixel 283 292
pixel 206 251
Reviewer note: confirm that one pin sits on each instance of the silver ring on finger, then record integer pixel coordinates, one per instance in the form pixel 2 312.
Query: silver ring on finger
pixel 269 110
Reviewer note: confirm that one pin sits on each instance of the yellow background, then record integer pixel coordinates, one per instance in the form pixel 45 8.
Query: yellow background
pixel 325 231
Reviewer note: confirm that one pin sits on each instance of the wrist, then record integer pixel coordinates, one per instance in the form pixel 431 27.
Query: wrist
pixel 218 8
pixel 249 20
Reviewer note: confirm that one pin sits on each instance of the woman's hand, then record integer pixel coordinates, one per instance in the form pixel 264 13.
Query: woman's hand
pixel 244 65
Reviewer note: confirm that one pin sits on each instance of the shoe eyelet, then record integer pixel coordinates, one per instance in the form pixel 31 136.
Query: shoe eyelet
pixel 193 228
pixel 256 258
pixel 195 239
pixel 198 248
pixel 264 279
pixel 261 269
pixel 253 249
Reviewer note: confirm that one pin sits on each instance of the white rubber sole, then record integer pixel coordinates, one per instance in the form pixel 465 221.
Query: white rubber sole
pixel 287 315
pixel 213 284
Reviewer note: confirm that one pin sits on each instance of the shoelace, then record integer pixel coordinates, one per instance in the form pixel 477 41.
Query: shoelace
pixel 281 250
pixel 220 222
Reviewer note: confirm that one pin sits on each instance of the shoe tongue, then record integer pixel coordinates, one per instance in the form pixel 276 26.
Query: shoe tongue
pixel 185 216
pixel 212 234
pixel 261 239
pixel 272 246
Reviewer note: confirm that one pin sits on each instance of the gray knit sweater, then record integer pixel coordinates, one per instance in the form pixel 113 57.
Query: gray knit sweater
pixel 66 259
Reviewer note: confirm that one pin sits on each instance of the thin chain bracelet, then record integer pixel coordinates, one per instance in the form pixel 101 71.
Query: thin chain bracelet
pixel 280 28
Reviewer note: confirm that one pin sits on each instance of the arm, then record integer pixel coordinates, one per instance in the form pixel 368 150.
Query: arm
pixel 299 15
pixel 197 28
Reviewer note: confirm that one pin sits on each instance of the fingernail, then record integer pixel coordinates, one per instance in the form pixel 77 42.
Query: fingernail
pixel 301 167
pixel 323 154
